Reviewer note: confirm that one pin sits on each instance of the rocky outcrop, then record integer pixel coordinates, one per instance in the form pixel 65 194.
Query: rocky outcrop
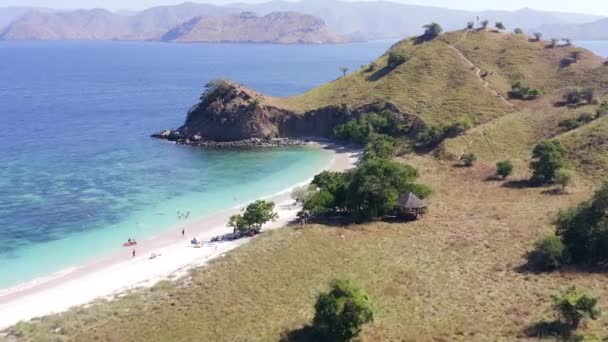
pixel 230 114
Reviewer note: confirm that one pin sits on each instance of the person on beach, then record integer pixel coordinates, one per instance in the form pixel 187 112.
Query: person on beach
pixel 183 232
pixel 133 253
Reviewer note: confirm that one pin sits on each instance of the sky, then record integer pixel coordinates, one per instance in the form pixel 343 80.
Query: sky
pixel 599 7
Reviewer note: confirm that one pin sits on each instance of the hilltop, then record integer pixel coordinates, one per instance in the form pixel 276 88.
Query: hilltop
pixel 461 74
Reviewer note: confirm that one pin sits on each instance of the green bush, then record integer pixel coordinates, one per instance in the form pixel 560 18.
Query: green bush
pixel 518 31
pixel 579 96
pixel 574 305
pixel 470 25
pixel 430 136
pixel 468 159
pixel 549 254
pixel 256 215
pixel 380 146
pixel 459 126
pixel 520 91
pixel 500 26
pixel 367 192
pixel 504 168
pixel 549 156
pixel 569 124
pixel 564 177
pixel 431 31
pixel 341 312
pixel 396 58
pixel 584 229
pixel 602 110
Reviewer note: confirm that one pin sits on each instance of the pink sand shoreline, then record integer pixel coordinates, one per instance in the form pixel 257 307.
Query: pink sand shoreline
pixel 119 272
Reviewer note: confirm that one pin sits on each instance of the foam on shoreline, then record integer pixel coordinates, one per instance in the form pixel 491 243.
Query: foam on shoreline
pixel 119 272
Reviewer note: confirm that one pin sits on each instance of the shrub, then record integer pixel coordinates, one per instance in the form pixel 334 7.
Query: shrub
pixel 470 25
pixel 484 24
pixel 341 312
pixel 548 158
pixel 538 36
pixel 468 159
pixel 518 31
pixel 430 137
pixel 500 26
pixel 579 96
pixel 584 229
pixel 564 177
pixel 523 92
pixel 602 110
pixel 354 131
pixel 319 203
pixel 380 146
pixel 549 254
pixel 431 31
pixel 586 118
pixel 569 124
pixel 504 168
pixel 574 305
pixel 396 58
pixel 567 41
pixel 459 126
pixel 553 43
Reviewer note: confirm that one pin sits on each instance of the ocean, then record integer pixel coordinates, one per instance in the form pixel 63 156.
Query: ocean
pixel 79 172
pixel 599 47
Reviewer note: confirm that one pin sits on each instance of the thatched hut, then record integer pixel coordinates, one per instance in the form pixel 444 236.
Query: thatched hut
pixel 410 205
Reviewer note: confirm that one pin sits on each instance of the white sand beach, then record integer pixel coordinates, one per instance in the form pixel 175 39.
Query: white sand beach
pixel 119 272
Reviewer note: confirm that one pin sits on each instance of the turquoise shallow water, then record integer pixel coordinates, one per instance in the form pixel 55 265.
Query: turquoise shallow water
pixel 78 172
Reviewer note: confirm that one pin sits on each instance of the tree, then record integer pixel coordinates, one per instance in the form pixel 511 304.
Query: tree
pixel 568 41
pixel 584 229
pixel 548 158
pixel 484 24
pixel 468 159
pixel 458 126
pixel 521 91
pixel 574 305
pixel 341 312
pixel 431 31
pixel 569 124
pixel 518 31
pixel 259 213
pixel 553 42
pixel 504 168
pixel 396 58
pixel 538 36
pixel 564 177
pixel 470 25
pixel 239 224
pixel 500 26
pixel 344 70
pixel 380 146
pixel 549 254
pixel 576 55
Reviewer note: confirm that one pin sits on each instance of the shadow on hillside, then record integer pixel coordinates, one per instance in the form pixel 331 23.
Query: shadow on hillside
pixel 517 184
pixel 545 329
pixel 554 192
pixel 378 74
pixel 304 334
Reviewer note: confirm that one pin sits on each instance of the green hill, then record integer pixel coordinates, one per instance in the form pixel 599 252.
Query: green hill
pixel 454 275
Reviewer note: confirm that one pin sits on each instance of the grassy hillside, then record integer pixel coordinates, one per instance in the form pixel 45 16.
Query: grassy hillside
pixel 454 275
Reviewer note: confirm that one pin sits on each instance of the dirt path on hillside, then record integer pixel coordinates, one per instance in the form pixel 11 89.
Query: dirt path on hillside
pixel 486 83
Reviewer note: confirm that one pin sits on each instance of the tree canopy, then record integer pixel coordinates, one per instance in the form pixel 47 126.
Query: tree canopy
pixel 341 312
pixel 431 31
pixel 255 216
pixel 548 158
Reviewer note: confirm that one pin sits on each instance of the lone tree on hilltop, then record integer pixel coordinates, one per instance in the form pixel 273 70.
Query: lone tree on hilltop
pixel 344 70
pixel 341 312
pixel 396 58
pixel 518 31
pixel 568 41
pixel 431 31
pixel 500 26
pixel 538 36
pixel 484 24
pixel 553 42
pixel 470 25
pixel 548 158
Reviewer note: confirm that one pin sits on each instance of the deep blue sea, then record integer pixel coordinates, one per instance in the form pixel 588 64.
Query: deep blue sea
pixel 79 173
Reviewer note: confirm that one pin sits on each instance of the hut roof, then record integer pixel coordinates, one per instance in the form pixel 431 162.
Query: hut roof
pixel 410 201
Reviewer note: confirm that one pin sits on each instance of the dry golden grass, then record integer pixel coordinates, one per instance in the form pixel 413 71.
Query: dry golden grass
pixel 451 276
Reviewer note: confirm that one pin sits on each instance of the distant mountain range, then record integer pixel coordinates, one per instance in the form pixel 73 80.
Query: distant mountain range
pixel 353 19
pixel 597 30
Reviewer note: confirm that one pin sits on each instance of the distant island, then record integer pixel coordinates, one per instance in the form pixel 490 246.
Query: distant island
pixel 275 27
pixel 192 21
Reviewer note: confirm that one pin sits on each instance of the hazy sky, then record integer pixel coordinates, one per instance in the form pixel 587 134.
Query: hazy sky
pixel 582 6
